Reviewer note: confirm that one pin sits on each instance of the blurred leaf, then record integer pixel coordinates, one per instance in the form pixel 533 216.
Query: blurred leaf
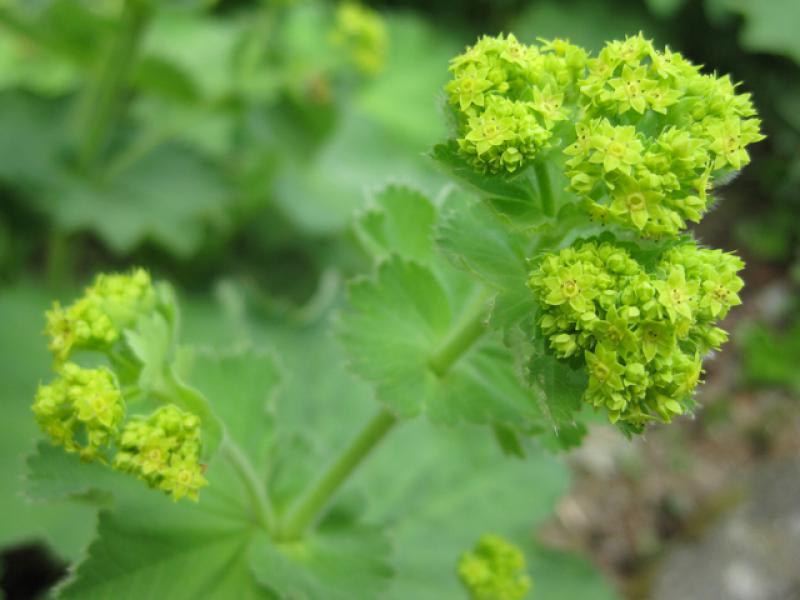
pixel 333 563
pixel 665 8
pixel 31 137
pixel 771 357
pixel 770 25
pixel 170 196
pixel 403 97
pixel 241 386
pixel 584 22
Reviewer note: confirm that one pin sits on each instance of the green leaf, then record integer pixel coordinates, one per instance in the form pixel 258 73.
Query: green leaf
pixel 333 563
pixel 241 386
pixel 560 387
pixel 770 25
pixel 169 197
pixel 399 220
pixel 516 189
pixel 395 327
pixel 460 487
pixel 179 550
pixel 474 238
pixel 31 135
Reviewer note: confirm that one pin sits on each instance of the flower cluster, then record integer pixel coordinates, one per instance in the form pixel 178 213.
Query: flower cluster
pixel 94 321
pixel 494 570
pixel 361 33
pixel 642 333
pixel 509 98
pixel 85 409
pixel 652 136
pixel 163 449
pixel 644 133
pixel 81 410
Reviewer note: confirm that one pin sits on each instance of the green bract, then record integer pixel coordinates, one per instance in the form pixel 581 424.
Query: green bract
pixel 494 570
pixel 642 332
pixel 642 134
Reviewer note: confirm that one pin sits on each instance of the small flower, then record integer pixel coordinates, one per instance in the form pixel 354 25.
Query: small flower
pixel 361 33
pixel 81 410
pixel 643 333
pixel 94 322
pixel 163 449
pixel 494 570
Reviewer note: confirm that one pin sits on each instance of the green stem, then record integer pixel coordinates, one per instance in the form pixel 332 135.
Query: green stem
pixel 545 189
pixel 319 495
pixel 101 103
pixel 59 259
pixel 315 500
pixel 262 509
pixel 472 328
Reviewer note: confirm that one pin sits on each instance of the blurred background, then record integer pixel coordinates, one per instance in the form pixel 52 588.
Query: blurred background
pixel 227 145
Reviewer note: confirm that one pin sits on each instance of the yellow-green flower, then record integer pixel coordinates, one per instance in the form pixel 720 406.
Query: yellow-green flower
pixel 494 570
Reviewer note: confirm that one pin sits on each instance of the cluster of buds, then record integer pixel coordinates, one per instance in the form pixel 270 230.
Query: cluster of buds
pixel 81 410
pixel 84 409
pixel 642 333
pixel 361 33
pixel 509 98
pixel 642 134
pixel 94 322
pixel 494 570
pixel 163 449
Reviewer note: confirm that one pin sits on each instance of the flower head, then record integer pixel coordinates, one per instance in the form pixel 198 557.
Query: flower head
pixel 163 449
pixel 361 33
pixel 642 333
pixel 81 410
pixel 494 570
pixel 643 132
pixel 95 321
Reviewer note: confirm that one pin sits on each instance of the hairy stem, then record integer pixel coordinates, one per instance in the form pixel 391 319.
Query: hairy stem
pixel 545 188
pixel 260 504
pixel 315 500
pixel 101 104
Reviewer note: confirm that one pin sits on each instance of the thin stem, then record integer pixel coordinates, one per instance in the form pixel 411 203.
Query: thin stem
pixel 262 508
pixel 545 189
pixel 101 103
pixel 315 500
pixel 461 339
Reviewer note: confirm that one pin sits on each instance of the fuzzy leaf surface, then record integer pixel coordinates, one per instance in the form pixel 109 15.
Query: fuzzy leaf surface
pixel 398 322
